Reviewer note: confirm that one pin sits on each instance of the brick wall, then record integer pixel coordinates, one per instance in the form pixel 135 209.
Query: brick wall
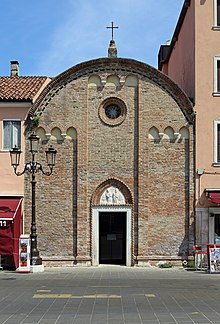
pixel 159 174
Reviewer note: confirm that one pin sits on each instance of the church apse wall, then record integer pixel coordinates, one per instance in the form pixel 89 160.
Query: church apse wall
pixel 122 129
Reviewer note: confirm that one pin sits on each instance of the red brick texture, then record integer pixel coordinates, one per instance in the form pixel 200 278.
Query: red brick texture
pixel 158 174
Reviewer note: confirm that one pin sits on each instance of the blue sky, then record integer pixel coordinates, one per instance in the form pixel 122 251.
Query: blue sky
pixel 49 36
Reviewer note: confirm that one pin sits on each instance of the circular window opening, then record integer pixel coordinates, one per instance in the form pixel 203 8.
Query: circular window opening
pixel 112 111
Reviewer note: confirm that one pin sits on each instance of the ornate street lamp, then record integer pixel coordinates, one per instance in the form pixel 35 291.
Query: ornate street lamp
pixel 33 167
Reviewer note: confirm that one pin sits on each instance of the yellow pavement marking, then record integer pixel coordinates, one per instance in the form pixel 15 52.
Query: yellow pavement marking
pixel 150 295
pixel 75 297
pixel 46 279
pixel 99 296
pixel 110 286
pixel 43 290
pixel 52 296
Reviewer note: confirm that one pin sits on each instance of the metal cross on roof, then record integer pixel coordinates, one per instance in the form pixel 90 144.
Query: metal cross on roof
pixel 112 28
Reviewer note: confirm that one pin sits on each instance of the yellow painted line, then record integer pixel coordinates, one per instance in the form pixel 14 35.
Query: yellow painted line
pixel 52 296
pixel 100 296
pixel 150 295
pixel 46 279
pixel 110 286
pixel 42 290
pixel 65 296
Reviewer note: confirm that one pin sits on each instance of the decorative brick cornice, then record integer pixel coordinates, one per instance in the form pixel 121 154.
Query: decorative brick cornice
pixel 115 65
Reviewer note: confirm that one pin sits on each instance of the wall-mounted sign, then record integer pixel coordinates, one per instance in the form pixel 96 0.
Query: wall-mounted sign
pixel 214 259
pixel 24 253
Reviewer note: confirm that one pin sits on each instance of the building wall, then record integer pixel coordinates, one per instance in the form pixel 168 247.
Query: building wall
pixel 181 64
pixel 199 35
pixel 207 105
pixel 157 172
pixel 10 183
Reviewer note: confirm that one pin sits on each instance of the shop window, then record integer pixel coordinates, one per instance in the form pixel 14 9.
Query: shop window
pixel 217 74
pixel 217 141
pixel 11 134
pixel 217 229
pixel 216 13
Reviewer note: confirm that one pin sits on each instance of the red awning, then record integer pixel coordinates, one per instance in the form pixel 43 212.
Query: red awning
pixel 6 239
pixel 9 208
pixel 215 197
pixel 10 225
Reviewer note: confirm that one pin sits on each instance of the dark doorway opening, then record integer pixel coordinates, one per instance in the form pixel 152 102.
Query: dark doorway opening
pixel 217 229
pixel 112 238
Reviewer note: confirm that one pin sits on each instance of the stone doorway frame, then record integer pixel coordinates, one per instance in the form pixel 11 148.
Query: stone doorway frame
pixel 95 230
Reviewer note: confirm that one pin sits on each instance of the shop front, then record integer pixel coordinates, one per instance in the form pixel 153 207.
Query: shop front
pixel 10 230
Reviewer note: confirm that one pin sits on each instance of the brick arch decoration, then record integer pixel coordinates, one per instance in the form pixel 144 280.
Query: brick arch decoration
pixel 111 66
pixel 112 183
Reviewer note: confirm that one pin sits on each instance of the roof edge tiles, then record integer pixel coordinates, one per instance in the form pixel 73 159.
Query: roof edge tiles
pixel 21 88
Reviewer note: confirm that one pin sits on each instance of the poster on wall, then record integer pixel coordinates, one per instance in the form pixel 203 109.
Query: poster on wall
pixel 214 259
pixel 24 253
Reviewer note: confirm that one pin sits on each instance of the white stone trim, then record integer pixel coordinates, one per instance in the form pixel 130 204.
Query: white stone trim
pixel 37 268
pixel 215 144
pixel 95 230
pixel 215 15
pixel 216 59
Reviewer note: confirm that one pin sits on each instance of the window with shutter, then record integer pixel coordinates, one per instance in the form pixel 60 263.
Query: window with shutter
pixel 11 134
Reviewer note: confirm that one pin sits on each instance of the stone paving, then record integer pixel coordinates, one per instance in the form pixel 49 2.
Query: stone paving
pixel 109 295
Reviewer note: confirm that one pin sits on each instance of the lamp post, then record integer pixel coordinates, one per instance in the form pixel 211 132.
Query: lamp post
pixel 33 167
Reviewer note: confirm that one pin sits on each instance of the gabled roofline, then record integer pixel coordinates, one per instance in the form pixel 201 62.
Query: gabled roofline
pixel 161 59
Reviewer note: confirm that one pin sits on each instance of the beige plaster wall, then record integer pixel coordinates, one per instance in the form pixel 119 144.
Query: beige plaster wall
pixel 191 65
pixel 11 184
pixel 182 60
pixel 207 105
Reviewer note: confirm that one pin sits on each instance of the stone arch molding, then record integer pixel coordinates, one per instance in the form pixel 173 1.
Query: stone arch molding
pixel 56 134
pixel 101 203
pixel 112 66
pixel 112 192
pixel 168 134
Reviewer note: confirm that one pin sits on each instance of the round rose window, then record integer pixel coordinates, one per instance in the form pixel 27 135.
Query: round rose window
pixel 112 111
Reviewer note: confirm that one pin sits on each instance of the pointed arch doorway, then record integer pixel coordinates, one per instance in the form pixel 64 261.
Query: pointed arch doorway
pixel 112 228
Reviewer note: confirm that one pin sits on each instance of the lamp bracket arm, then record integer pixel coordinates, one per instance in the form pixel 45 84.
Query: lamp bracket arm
pixel 20 173
pixel 47 173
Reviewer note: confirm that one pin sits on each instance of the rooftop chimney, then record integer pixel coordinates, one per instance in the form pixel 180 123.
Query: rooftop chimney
pixel 14 68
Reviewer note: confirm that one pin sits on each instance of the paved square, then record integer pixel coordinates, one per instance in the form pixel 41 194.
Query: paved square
pixel 109 295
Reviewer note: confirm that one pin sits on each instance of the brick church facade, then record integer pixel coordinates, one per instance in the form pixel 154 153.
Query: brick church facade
pixel 122 190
